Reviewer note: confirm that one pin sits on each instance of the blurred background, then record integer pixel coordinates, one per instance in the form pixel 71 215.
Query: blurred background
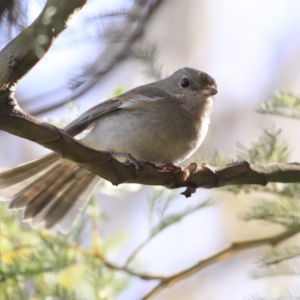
pixel 251 48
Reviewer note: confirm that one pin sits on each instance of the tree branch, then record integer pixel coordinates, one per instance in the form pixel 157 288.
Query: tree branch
pixel 102 163
pixel 116 51
pixel 167 281
pixel 23 52
pixel 224 254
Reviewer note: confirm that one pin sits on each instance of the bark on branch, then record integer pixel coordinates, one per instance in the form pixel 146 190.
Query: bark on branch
pixel 223 254
pixel 104 165
pixel 23 52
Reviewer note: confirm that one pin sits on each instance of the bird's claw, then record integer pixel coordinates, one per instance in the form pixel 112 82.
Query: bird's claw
pixel 136 163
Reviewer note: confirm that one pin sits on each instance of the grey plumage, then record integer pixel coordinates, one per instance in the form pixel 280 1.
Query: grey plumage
pixel 162 122
pixel 51 194
pixel 11 176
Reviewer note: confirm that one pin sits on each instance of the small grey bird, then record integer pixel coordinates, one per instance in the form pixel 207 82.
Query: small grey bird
pixel 163 122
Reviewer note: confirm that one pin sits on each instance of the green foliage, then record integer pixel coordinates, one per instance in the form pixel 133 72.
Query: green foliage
pixel 269 147
pixel 37 264
pixel 117 91
pixel 220 160
pixel 283 269
pixel 278 262
pixel 285 212
pixel 282 104
pixel 281 205
pixel 277 294
pixel 275 256
pixel 282 209
pixel 290 190
pixel 159 207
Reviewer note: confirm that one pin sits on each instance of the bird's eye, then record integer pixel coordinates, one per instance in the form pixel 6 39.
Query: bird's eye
pixel 185 83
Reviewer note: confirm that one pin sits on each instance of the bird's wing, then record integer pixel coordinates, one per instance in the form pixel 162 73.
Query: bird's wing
pixel 126 100
pixel 90 116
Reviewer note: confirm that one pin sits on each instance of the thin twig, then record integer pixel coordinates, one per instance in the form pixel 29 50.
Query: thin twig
pixel 224 254
pixel 166 281
pixel 141 275
pixel 113 54
pixel 137 250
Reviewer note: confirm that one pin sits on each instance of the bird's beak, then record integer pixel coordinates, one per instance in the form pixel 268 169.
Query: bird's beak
pixel 209 91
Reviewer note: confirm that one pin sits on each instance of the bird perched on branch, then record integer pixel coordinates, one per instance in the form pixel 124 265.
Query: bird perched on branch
pixel 163 122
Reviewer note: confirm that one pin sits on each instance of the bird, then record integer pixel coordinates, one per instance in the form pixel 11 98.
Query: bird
pixel 163 122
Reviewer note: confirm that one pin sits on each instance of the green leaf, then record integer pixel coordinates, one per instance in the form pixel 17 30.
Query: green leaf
pixel 282 104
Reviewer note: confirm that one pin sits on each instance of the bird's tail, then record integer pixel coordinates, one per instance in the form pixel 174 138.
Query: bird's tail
pixel 57 190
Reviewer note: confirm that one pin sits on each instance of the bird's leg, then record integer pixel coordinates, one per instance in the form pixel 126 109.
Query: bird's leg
pixel 137 163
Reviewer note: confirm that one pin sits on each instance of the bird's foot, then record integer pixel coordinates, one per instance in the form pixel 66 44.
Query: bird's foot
pixel 169 167
pixel 137 163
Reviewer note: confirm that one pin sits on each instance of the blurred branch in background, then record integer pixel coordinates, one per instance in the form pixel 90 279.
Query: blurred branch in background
pixel 13 13
pixel 120 41
pixel 224 254
pixel 159 218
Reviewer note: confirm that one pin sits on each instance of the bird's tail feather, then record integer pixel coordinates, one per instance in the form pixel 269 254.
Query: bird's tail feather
pixel 54 196
pixel 16 174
